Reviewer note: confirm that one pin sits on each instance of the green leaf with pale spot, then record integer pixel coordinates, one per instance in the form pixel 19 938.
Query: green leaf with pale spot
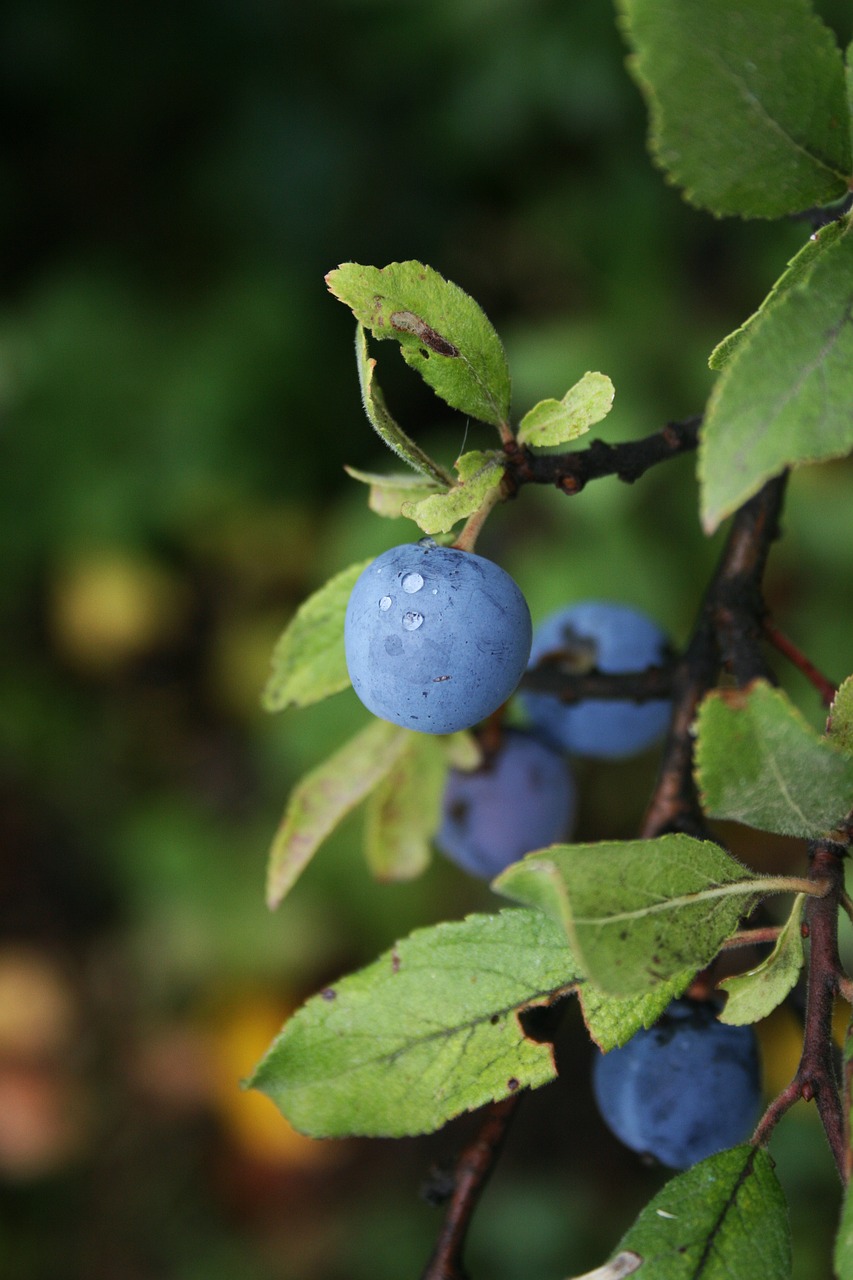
pixel 638 912
pixel 388 493
pixel 755 994
pixel 404 810
pixel 724 1219
pixel 556 422
pixel 308 662
pixel 784 397
pixel 799 268
pixel 840 727
pixel 480 479
pixel 384 423
pixel 758 762
pixel 747 102
pixel 612 1020
pixel 429 1030
pixel 442 332
pixel 325 796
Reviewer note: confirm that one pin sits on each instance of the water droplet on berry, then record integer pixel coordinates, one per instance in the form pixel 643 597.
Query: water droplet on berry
pixel 427 543
pixel 411 621
pixel 385 603
pixel 412 583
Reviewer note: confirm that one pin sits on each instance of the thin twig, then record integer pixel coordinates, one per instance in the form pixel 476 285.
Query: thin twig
pixel 472 1172
pixel 789 650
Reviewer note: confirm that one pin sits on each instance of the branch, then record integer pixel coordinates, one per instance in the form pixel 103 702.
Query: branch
pixel 472 1172
pixel 727 633
pixel 816 1077
pixel 572 471
pixel 635 686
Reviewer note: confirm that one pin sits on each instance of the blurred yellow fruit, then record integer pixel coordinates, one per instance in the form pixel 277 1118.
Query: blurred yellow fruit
pixel 241 1036
pixel 108 608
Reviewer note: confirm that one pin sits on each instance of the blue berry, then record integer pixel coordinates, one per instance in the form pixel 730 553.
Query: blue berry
pixel 614 638
pixel 521 798
pixel 683 1090
pixel 436 639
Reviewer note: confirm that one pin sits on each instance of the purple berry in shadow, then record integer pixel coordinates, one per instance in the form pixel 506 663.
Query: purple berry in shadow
pixel 521 798
pixel 613 638
pixel 436 639
pixel 686 1088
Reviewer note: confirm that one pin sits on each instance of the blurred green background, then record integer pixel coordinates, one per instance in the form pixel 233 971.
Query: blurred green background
pixel 178 398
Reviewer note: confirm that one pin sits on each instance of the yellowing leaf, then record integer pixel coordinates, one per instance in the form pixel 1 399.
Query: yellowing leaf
pixel 325 796
pixel 556 422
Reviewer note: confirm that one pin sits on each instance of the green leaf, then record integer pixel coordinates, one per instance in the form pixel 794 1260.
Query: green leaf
pixel 308 662
pixel 758 762
pixel 442 332
pixel 404 810
pixel 840 727
pixel 612 1020
pixel 724 1219
pixel 799 268
pixel 480 479
pixel 556 422
pixel 638 912
pixel 385 424
pixel 784 398
pixel 747 102
pixel 325 796
pixel 755 994
pixel 844 1239
pixel 427 1031
pixel 388 493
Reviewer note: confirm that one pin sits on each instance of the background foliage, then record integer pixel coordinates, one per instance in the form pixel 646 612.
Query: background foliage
pixel 178 399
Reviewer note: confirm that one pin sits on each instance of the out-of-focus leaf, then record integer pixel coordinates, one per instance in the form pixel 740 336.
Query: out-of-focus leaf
pixel 427 1031
pixel 403 811
pixel 388 493
pixel 325 796
pixel 308 662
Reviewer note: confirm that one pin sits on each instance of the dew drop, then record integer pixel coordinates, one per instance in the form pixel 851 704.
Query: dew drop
pixel 427 543
pixel 385 603
pixel 411 621
pixel 412 583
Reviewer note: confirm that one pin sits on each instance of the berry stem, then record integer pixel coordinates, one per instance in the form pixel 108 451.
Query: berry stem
pixel 467 539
